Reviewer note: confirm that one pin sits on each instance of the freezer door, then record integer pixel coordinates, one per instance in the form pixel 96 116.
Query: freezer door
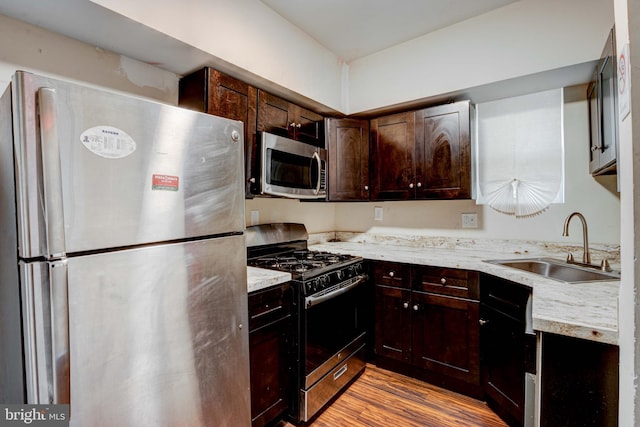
pixel 96 169
pixel 153 336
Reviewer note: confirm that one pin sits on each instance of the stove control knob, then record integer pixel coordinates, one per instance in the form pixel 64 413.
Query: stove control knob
pixel 358 269
pixel 340 274
pixel 312 286
pixel 321 283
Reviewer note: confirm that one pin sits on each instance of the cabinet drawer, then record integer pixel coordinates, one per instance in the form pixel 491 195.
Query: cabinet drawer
pixel 269 305
pixel 392 274
pixel 447 281
pixel 506 297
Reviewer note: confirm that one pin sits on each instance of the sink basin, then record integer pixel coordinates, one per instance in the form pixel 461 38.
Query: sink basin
pixel 558 270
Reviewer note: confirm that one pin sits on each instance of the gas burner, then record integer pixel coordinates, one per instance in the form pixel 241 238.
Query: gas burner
pixel 304 264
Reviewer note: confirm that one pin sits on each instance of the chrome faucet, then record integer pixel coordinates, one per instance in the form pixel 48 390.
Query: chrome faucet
pixel 586 256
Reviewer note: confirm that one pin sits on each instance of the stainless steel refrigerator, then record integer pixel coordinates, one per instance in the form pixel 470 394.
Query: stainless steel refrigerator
pixel 122 258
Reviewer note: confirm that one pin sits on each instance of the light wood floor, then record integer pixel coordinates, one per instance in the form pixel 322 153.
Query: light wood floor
pixel 381 398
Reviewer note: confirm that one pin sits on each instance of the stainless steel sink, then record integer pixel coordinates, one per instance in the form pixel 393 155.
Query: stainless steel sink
pixel 558 270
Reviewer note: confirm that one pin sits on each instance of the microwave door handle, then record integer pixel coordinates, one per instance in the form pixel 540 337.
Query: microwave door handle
pixel 316 157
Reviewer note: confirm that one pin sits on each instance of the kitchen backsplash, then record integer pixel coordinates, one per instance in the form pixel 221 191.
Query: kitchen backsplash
pixel 508 247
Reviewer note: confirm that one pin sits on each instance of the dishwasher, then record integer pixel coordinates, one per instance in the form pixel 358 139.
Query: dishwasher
pixel 507 350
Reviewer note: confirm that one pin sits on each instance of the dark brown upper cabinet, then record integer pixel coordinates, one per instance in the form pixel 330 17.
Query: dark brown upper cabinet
pixel 443 152
pixel 348 148
pixel 603 112
pixel 284 118
pixel 393 157
pixel 213 92
pixel 424 154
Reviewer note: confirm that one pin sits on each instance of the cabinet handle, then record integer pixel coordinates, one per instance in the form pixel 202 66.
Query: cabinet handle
pixel 298 125
pixel 483 322
pixel 391 274
pixel 366 188
pixel 416 307
pixel 419 184
pixel 292 124
pixel 411 185
pixel 405 305
pixel 443 281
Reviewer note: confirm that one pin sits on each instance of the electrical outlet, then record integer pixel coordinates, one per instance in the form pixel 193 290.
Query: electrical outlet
pixel 255 217
pixel 469 220
pixel 377 213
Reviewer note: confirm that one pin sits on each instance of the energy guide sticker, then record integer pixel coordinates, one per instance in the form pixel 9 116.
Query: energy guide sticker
pixel 108 142
pixel 165 182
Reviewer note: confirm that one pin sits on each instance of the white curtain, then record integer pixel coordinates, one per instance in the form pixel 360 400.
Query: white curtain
pixel 519 153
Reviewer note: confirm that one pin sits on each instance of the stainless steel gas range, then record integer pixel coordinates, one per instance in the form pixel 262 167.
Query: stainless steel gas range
pixel 330 299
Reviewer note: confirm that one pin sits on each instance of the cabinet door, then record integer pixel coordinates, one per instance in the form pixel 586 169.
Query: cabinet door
pixel 609 110
pixel 446 336
pixel 595 140
pixel 281 117
pixel 274 115
pixel 392 157
pixel 308 126
pixel 348 146
pixel 269 354
pixel 393 323
pixel 503 363
pixel 443 152
pixel 579 382
pixel 270 330
pixel 603 112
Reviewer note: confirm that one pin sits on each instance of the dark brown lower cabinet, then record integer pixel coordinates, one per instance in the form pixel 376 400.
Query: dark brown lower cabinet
pixel 579 382
pixel 430 335
pixel 270 321
pixel 446 336
pixel 393 323
pixel 507 351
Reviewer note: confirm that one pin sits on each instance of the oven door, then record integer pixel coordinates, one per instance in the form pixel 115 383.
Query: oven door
pixel 292 169
pixel 333 328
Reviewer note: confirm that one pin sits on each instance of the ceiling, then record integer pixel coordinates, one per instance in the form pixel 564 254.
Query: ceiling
pixel 349 28
pixel 355 28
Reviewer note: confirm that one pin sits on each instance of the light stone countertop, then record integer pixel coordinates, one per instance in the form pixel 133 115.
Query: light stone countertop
pixel 582 310
pixel 260 278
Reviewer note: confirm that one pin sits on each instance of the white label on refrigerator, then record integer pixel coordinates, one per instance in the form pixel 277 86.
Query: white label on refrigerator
pixel 108 142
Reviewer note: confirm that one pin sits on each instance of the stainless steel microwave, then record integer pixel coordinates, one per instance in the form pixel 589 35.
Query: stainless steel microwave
pixel 290 168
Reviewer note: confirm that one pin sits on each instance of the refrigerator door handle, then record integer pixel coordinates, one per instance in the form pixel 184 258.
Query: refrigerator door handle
pixel 59 291
pixel 51 172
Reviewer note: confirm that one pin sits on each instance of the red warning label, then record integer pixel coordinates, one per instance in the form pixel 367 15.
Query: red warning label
pixel 165 182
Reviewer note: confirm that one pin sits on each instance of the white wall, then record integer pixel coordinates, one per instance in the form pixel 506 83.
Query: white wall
pixel 249 35
pixel 523 38
pixel 628 30
pixel 29 48
pixel 318 217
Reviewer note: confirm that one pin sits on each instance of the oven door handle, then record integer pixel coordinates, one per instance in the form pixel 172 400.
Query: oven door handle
pixel 312 300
